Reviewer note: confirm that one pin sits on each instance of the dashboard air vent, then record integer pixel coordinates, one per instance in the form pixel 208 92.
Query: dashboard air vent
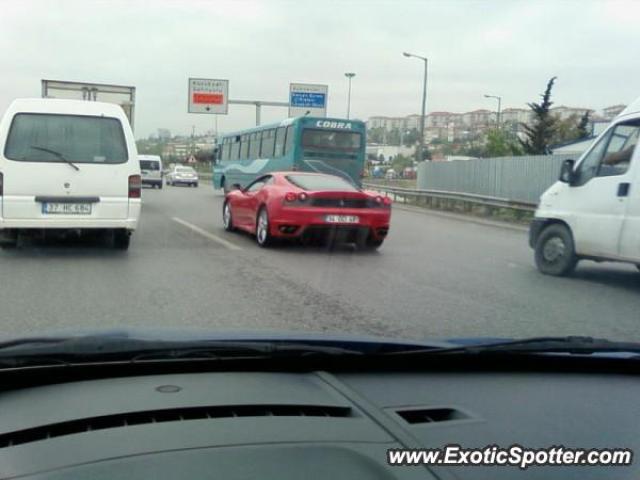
pixel 128 419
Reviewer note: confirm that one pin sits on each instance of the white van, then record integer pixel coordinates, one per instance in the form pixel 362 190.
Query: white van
pixel 593 211
pixel 68 165
pixel 151 170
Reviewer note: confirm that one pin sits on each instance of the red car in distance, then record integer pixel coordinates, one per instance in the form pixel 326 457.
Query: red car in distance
pixel 305 206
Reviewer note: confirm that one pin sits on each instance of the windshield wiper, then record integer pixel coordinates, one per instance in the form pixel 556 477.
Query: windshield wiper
pixel 57 154
pixel 569 345
pixel 105 349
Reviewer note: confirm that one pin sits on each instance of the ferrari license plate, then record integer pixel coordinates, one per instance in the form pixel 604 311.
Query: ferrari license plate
pixel 341 219
pixel 66 208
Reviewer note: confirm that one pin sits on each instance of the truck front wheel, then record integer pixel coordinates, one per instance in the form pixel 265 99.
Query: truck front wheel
pixel 555 252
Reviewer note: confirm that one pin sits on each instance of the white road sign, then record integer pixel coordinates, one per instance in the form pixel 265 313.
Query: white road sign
pixel 305 97
pixel 208 95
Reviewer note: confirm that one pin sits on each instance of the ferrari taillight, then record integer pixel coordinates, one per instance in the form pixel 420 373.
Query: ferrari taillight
pixel 383 201
pixel 290 197
pixel 303 197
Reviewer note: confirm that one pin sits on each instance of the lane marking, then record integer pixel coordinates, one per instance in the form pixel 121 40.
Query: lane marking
pixel 206 234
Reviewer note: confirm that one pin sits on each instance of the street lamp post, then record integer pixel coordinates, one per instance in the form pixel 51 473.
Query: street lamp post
pixel 349 75
pixel 424 102
pixel 498 120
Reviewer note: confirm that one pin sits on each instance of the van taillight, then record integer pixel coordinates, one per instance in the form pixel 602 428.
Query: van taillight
pixel 135 186
pixel 1 184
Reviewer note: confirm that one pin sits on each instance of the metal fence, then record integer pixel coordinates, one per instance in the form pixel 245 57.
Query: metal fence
pixel 516 178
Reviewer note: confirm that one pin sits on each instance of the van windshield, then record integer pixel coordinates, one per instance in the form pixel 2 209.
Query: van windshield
pixel 36 137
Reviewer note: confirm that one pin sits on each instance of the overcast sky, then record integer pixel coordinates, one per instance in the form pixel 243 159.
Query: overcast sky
pixel 508 48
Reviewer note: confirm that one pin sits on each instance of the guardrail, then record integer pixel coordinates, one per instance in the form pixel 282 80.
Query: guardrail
pixel 466 202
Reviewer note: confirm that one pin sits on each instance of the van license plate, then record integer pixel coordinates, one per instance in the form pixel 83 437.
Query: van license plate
pixel 341 219
pixel 66 208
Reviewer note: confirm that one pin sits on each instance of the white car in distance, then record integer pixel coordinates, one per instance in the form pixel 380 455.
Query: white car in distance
pixel 181 175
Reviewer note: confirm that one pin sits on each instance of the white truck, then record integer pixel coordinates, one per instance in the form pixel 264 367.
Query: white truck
pixel 593 211
pixel 96 92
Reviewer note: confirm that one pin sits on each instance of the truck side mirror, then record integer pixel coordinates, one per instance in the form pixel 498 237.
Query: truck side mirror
pixel 567 174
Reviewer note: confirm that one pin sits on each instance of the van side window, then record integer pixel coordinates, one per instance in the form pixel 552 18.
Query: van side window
pixel 611 155
pixel 617 157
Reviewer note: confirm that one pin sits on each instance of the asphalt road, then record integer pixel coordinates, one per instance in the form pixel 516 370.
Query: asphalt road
pixel 435 276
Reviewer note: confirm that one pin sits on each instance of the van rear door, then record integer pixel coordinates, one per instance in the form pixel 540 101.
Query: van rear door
pixel 61 159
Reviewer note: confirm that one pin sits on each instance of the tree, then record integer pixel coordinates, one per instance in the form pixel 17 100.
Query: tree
pixel 565 130
pixel 539 135
pixel 583 125
pixel 501 143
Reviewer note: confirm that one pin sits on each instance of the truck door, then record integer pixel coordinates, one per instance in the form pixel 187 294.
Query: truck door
pixel 600 192
pixel 630 236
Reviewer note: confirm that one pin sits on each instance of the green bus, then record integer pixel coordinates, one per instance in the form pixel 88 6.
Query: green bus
pixel 309 144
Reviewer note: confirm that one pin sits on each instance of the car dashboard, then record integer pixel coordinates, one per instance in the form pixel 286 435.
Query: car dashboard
pixel 312 425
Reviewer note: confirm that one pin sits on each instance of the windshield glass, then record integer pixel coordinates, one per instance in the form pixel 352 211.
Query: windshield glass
pixel 331 140
pixel 81 139
pixel 190 186
pixel 321 182
pixel 436 169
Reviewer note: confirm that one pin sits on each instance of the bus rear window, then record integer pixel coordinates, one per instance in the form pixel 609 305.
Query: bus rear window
pixel 331 139
pixel 36 137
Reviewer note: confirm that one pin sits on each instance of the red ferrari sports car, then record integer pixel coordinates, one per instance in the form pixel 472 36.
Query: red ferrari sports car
pixel 307 205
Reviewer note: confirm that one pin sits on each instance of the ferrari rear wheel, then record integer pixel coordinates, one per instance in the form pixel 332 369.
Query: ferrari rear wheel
pixel 226 217
pixel 366 242
pixel 373 244
pixel 263 236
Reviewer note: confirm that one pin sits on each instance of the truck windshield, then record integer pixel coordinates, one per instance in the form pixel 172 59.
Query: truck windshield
pixel 331 139
pixel 79 139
